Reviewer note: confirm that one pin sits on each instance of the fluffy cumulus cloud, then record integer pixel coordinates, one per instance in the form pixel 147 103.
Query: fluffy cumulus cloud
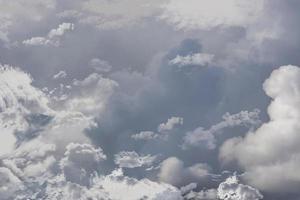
pixel 52 38
pixel 19 102
pixel 173 165
pixel 130 159
pixel 208 137
pixel 231 189
pixel 200 59
pixel 170 124
pixel 270 155
pixel 164 129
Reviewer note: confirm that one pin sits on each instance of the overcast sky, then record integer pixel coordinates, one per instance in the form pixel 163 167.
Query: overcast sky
pixel 160 100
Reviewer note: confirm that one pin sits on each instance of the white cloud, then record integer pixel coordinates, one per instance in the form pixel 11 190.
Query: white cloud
pixel 32 159
pixel 138 189
pixel 60 74
pixel 53 37
pixel 271 154
pixel 200 136
pixel 91 94
pixel 145 135
pixel 231 189
pixel 210 194
pixel 61 30
pixel 170 124
pixel 18 100
pixel 201 59
pixel 81 162
pixel 100 65
pixel 131 159
pixel 173 165
pixel 207 14
pixel 164 129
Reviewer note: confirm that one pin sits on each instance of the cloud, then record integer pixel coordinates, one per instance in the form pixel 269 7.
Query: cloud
pixel 200 59
pixel 100 65
pixel 13 14
pixel 210 194
pixel 164 129
pixel 112 15
pixel 145 135
pixel 19 102
pixel 80 162
pixel 60 74
pixel 8 183
pixel 131 159
pixel 187 188
pixel 91 94
pixel 53 37
pixel 270 155
pixel 204 14
pixel 231 189
pixel 208 137
pixel 173 165
pixel 170 124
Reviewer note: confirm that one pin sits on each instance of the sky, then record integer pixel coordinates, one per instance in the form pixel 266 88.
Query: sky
pixel 149 100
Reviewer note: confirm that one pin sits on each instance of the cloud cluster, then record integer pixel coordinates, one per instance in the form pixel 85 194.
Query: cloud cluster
pixel 270 155
pixel 208 137
pixel 117 87
pixel 53 164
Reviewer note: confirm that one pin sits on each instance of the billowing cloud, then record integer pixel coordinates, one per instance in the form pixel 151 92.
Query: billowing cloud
pixel 164 129
pixel 80 162
pixel 53 37
pixel 132 77
pixel 130 159
pixel 199 59
pixel 270 155
pixel 173 165
pixel 231 189
pixel 200 136
pixel 170 124
pixel 145 135
pixel 19 101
